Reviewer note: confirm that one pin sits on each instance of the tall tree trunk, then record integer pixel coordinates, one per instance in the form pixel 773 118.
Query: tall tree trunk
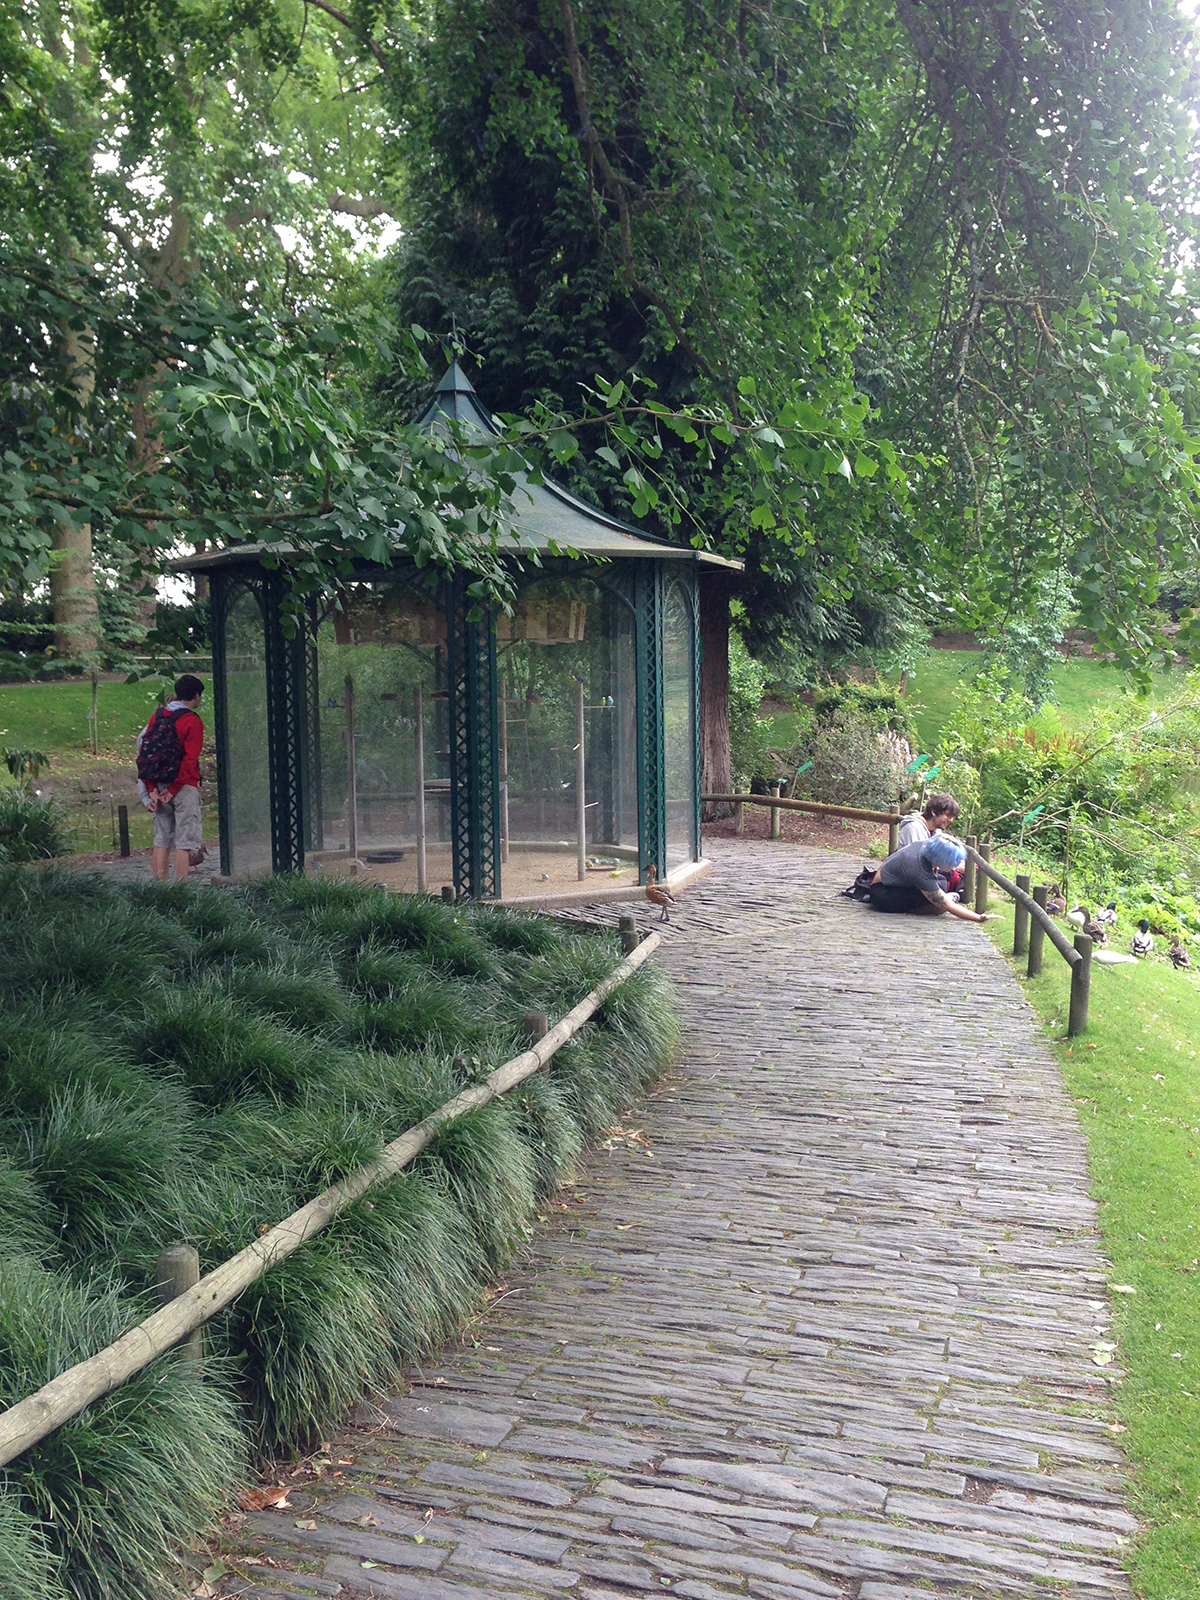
pixel 716 770
pixel 73 577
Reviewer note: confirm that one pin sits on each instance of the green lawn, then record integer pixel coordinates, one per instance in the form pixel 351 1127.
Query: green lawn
pixel 1134 1079
pixel 54 716
pixel 1079 685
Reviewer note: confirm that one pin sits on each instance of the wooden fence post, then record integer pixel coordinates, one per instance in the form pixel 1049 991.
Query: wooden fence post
pixel 981 881
pixel 1021 918
pixel 123 829
pixel 968 888
pixel 777 788
pixel 537 1024
pixel 1081 982
pixel 1037 934
pixel 177 1270
pixel 739 820
pixel 893 838
pixel 629 933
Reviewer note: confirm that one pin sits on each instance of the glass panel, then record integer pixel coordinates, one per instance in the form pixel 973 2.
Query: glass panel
pixel 567 653
pixel 679 689
pixel 246 704
pixel 388 641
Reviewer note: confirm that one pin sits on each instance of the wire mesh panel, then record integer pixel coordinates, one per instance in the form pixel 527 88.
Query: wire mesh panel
pixel 243 733
pixel 679 721
pixel 568 737
pixel 378 739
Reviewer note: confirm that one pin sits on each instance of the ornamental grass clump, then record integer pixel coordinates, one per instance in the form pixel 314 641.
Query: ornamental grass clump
pixel 193 1064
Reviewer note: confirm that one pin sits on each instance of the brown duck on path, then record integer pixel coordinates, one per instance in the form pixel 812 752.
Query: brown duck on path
pixel 658 894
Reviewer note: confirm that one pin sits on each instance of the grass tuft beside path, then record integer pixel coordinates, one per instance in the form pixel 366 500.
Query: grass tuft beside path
pixel 1135 1079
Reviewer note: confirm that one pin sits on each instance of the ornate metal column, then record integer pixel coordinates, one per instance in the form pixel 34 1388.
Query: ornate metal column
pixel 697 712
pixel 220 589
pixel 286 730
pixel 472 688
pixel 651 752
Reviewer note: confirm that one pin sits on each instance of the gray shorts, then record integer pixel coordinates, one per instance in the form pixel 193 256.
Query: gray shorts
pixel 177 824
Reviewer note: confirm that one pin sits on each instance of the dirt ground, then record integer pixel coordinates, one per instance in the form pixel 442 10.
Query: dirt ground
pixel 799 827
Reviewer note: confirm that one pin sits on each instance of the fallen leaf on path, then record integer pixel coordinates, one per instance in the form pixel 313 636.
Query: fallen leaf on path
pixel 217 1570
pixel 306 1522
pixel 1122 1288
pixel 366 1520
pixel 368 1563
pixel 1102 1358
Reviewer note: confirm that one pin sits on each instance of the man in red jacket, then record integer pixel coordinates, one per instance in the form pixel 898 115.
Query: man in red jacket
pixel 176 803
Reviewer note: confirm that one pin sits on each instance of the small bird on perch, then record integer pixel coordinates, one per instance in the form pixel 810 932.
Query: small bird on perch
pixel 1178 955
pixel 1108 916
pixel 1143 940
pixel 658 894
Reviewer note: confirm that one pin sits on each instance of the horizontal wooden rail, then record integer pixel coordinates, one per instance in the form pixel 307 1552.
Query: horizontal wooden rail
pixel 1048 925
pixel 892 817
pixel 63 1397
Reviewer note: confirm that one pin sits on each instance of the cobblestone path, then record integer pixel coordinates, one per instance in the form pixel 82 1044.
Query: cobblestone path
pixel 825 1333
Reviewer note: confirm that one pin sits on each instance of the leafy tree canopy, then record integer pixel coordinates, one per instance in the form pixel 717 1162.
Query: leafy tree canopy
pixel 893 300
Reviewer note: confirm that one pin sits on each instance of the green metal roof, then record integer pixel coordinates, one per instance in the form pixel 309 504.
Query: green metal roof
pixel 547 512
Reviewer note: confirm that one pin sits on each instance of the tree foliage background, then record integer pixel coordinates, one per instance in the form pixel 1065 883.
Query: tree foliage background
pixel 893 300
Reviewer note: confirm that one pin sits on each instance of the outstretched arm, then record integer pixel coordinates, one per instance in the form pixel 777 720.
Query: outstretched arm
pixel 941 902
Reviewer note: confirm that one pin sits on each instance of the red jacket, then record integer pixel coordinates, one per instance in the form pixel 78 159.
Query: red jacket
pixel 191 736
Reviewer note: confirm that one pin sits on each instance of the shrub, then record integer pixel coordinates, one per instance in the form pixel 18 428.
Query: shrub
pixel 749 734
pixel 31 829
pixel 854 762
pixel 874 702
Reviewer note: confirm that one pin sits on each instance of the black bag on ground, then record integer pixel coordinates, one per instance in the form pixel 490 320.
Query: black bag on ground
pixel 161 753
pixel 860 889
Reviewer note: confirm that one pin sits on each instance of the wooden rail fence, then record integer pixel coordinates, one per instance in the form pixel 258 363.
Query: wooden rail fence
pixel 1032 925
pixel 778 803
pixel 191 1303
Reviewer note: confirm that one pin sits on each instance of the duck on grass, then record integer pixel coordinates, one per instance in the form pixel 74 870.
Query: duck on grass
pixel 193 1064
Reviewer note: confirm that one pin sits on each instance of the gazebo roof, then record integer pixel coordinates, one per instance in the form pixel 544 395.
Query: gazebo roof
pixel 552 513
pixel 545 513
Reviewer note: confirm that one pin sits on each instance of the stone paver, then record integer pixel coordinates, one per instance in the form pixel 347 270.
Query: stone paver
pixel 826 1333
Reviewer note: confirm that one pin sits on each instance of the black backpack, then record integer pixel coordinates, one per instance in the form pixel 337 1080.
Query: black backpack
pixel 860 889
pixel 161 753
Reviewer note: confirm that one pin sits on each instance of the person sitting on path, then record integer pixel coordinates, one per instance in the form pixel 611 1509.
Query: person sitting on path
pixel 169 748
pixel 914 879
pixel 941 811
